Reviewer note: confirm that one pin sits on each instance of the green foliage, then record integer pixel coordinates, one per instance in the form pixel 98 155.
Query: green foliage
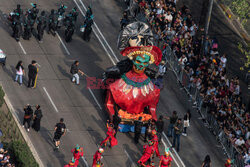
pixel 1 96
pixel 246 53
pixel 22 154
pixel 242 9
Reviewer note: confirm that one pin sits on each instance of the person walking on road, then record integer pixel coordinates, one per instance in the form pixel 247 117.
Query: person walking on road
pixel 74 71
pixel 138 127
pixel 60 130
pixel 178 128
pixel 173 120
pixel 28 113
pixel 160 127
pixel 32 74
pixel 206 162
pixel 37 118
pixel 77 154
pixel 97 158
pixel 19 72
pixel 116 122
pixel 186 123
pixel 110 136
pixel 53 19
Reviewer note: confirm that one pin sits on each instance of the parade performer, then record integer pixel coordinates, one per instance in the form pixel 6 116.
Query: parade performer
pixel 97 158
pixel 156 143
pixel 134 91
pixel 71 163
pixel 147 153
pixel 77 153
pixel 229 163
pixel 165 160
pixel 110 136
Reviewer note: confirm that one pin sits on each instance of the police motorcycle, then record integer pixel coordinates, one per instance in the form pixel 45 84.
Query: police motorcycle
pixel 2 57
pixel 61 12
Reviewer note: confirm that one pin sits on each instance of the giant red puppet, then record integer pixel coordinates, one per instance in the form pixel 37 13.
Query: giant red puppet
pixel 135 91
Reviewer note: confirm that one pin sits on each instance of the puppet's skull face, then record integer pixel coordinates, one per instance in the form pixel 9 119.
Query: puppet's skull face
pixel 136 41
pixel 141 62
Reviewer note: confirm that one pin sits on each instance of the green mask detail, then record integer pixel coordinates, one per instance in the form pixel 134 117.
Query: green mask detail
pixel 141 62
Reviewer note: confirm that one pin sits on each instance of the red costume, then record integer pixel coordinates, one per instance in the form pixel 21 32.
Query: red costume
pixel 155 139
pixel 134 91
pixel 165 161
pixel 147 153
pixel 110 137
pixel 77 155
pixel 97 157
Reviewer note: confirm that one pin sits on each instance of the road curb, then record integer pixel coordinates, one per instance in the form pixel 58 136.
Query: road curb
pixel 25 136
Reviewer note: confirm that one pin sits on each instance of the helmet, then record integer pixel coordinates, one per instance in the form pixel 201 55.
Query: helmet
pixel 153 132
pixel 101 150
pixel 167 152
pixel 72 162
pixel 78 148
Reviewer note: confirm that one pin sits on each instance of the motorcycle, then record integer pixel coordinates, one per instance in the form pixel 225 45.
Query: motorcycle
pixel 2 57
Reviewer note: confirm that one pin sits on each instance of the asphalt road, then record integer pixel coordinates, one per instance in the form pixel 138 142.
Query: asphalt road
pixel 82 108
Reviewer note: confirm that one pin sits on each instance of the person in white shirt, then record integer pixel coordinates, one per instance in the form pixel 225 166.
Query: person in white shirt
pixel 169 17
pixel 223 60
pixel 19 72
pixel 239 141
pixel 182 60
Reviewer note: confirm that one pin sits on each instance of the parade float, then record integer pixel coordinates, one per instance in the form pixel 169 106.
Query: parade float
pixel 132 92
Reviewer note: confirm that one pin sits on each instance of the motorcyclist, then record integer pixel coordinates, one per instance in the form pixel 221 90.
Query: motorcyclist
pixel 88 28
pixel 74 14
pixel 19 10
pixel 69 31
pixel 17 27
pixel 89 13
pixel 60 13
pixel 27 29
pixel 32 14
pixel 124 20
pixel 53 20
pixel 41 25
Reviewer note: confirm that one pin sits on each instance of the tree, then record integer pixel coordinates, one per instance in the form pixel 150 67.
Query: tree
pixel 242 9
pixel 246 53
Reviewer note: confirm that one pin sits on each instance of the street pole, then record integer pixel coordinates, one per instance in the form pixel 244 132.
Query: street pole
pixel 208 16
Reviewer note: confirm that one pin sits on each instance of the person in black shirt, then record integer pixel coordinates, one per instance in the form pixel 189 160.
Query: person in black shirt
pixel 41 25
pixel 138 127
pixel 28 113
pixel 37 118
pixel 160 127
pixel 60 130
pixel 32 74
pixel 74 71
pixel 116 121
pixel 173 120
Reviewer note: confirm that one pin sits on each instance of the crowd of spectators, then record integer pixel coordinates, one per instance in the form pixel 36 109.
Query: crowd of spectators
pixel 5 159
pixel 205 66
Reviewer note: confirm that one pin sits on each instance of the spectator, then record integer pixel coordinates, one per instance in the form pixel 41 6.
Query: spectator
pixel 37 118
pixel 173 120
pixel 206 162
pixel 186 123
pixel 160 127
pixel 178 128
pixel 28 113
pixel 19 72
pixel 240 141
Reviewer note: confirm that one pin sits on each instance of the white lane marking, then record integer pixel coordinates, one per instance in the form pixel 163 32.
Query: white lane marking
pixel 95 98
pixel 101 33
pixel 130 159
pixel 85 162
pixel 53 104
pixel 97 36
pixel 170 153
pixel 66 49
pixel 174 150
pixel 21 46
